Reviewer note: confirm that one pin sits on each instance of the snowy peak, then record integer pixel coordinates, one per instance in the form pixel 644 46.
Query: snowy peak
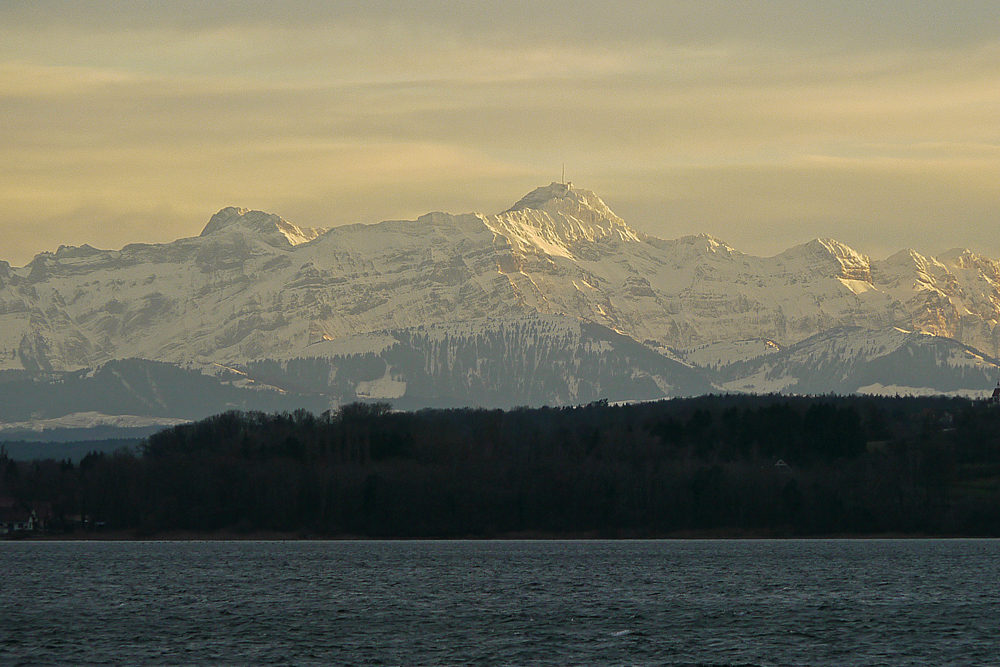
pixel 563 202
pixel 962 259
pixel 263 223
pixel 820 254
pixel 232 216
pixel 912 267
pixel 562 198
pixel 558 217
pixel 910 259
pixel 699 245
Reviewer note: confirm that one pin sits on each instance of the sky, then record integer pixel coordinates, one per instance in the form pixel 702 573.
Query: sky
pixel 766 124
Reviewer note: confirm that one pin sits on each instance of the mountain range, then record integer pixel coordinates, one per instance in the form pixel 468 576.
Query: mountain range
pixel 554 301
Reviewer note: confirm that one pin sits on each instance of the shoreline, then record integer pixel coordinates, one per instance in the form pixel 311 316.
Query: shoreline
pixel 527 536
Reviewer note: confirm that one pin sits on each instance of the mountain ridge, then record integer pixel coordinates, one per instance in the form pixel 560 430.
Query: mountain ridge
pixel 253 286
pixel 268 224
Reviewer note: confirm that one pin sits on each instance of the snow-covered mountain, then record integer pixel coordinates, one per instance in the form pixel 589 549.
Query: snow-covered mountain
pixel 253 287
pixel 849 360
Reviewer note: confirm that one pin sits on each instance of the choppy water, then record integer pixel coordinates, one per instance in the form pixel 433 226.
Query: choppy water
pixel 852 602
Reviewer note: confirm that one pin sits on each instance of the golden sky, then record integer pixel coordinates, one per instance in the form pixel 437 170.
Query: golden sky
pixel 766 124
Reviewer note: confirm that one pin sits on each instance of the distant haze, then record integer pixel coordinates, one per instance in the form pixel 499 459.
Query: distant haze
pixel 764 124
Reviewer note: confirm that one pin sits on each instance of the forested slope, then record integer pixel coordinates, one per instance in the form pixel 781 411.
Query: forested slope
pixel 767 465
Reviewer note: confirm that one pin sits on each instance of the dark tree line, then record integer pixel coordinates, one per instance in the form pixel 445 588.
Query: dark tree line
pixel 765 465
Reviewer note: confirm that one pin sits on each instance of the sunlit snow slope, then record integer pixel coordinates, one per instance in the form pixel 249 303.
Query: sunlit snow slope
pixel 253 286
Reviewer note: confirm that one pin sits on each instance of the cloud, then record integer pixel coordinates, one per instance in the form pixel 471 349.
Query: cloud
pixel 834 22
pixel 328 112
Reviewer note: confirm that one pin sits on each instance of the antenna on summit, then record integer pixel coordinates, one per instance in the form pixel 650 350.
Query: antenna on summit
pixel 563 181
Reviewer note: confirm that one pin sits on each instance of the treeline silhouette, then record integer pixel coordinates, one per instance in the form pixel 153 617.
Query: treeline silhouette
pixel 764 465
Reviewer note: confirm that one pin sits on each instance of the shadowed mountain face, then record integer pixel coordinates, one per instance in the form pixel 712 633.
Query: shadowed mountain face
pixel 534 361
pixel 253 287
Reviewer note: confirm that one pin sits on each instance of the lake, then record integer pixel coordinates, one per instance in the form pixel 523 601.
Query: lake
pixel 698 602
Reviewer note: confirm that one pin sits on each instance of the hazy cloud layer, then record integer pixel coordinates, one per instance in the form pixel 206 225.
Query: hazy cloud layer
pixel 874 123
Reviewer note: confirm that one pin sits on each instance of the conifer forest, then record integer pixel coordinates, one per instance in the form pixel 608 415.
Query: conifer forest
pixel 714 465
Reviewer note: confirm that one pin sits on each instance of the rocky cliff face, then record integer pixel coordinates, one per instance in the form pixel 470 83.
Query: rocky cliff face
pixel 254 286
